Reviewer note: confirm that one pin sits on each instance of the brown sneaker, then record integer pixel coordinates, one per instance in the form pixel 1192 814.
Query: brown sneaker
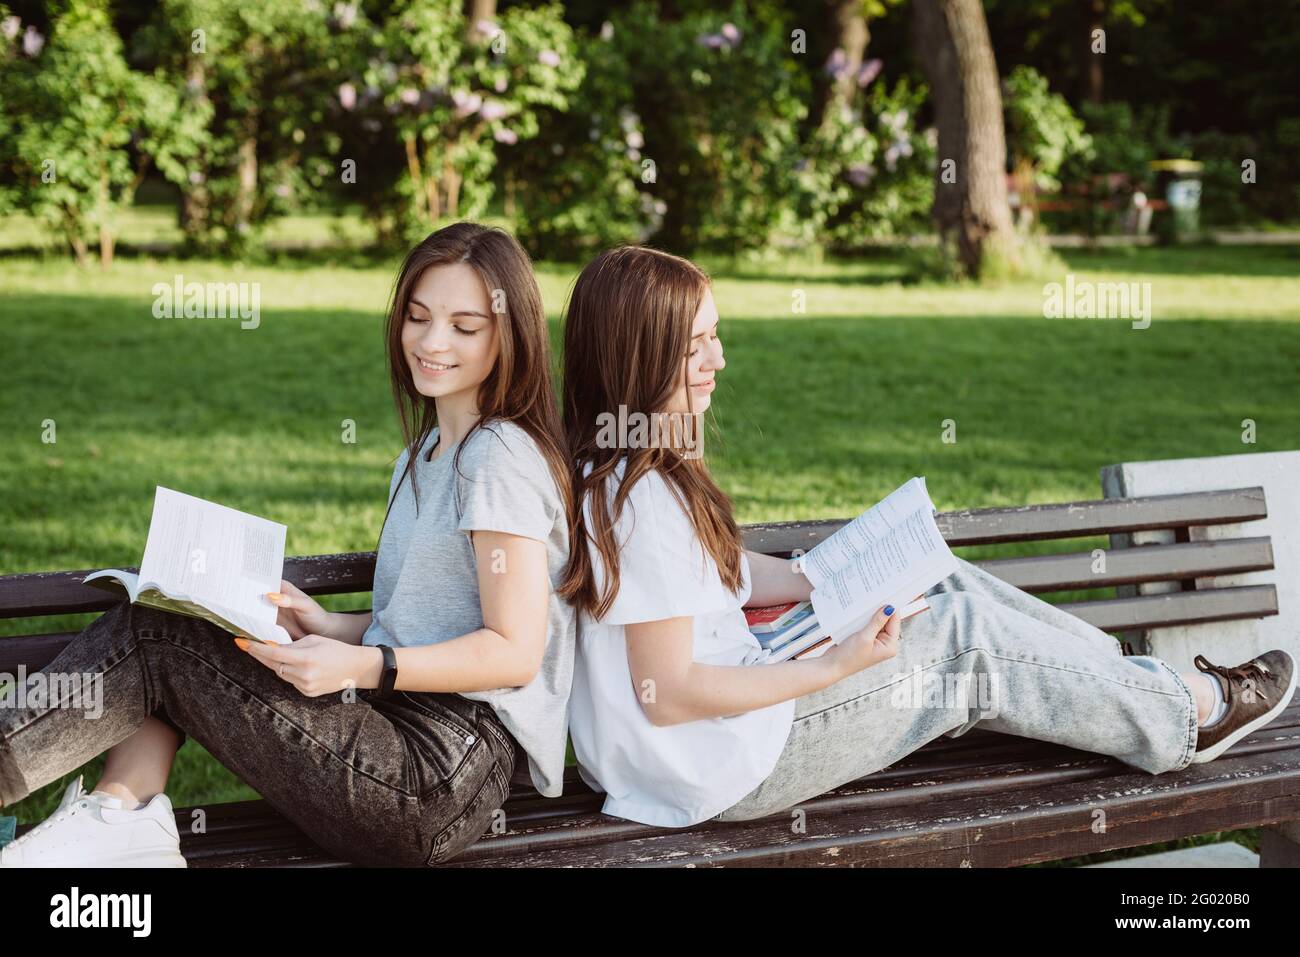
pixel 1258 691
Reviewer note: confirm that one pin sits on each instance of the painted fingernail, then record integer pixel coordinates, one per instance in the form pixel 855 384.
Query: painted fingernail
pixel 889 610
pixel 243 643
pixel 275 596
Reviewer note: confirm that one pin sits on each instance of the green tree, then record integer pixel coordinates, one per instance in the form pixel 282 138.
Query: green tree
pixel 263 77
pixel 83 127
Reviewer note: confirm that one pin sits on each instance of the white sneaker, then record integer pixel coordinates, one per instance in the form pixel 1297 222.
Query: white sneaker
pixel 87 830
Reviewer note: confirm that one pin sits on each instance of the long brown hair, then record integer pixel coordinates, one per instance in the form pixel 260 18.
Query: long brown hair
pixel 627 331
pixel 519 387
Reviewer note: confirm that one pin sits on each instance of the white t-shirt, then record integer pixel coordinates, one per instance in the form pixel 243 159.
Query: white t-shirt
pixel 682 774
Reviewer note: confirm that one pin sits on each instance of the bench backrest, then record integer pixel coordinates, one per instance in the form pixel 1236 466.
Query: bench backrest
pixel 1183 561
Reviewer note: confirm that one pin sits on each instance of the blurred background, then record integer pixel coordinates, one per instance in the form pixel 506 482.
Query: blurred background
pixel 701 127
pixel 885 192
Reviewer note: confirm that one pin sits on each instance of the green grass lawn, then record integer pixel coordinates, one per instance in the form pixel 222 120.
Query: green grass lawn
pixel 818 414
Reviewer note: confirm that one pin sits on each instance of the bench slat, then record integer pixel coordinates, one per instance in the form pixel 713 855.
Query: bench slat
pixel 1130 566
pixel 1013 820
pixel 1177 608
pixel 987 526
pixel 983 766
pixel 1115 614
pixel 50 593
pixel 62 593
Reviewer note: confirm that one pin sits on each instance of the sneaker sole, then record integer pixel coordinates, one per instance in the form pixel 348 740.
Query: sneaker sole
pixel 143 859
pixel 1210 753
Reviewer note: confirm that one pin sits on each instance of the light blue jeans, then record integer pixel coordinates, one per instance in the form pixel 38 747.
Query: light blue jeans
pixel 986 654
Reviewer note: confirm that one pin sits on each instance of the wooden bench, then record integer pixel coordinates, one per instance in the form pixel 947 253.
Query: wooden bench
pixel 983 799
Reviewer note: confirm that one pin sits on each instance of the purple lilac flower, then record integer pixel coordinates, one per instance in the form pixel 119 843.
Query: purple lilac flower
pixel 837 63
pixel 868 72
pixel 466 103
pixel 548 58
pixel 347 96
pixel 11 27
pixel 509 137
pixel 492 110
pixel 860 174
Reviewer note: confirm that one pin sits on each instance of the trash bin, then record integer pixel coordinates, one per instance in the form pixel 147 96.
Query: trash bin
pixel 1180 182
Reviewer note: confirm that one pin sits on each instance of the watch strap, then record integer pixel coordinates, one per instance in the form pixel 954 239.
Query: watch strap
pixel 388 679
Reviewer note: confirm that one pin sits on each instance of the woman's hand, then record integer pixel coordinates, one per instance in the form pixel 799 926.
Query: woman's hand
pixel 299 614
pixel 876 642
pixel 317 665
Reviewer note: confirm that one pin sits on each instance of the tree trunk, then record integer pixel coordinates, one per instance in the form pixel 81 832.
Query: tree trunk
pixel 104 215
pixel 475 11
pixel 72 230
pixel 417 178
pixel 106 246
pixel 246 191
pixel 451 182
pixel 848 29
pixel 195 199
pixel 970 210
pixel 1095 18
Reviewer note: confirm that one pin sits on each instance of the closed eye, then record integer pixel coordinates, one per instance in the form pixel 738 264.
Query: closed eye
pixel 712 335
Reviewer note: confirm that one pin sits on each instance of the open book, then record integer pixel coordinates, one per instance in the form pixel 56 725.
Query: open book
pixel 207 561
pixel 884 556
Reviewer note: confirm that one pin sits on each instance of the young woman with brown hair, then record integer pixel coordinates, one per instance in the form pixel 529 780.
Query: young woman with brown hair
pixel 462 668
pixel 676 712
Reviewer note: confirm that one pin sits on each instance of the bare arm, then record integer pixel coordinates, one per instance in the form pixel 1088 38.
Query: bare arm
pixel 775 580
pixel 347 627
pixel 514 589
pixel 673 688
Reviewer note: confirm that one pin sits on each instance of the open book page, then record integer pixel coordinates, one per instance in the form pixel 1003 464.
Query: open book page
pixel 891 556
pixel 114 580
pixel 871 526
pixel 217 558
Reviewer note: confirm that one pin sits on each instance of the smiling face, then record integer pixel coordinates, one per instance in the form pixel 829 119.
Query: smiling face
pixel 702 363
pixel 449 334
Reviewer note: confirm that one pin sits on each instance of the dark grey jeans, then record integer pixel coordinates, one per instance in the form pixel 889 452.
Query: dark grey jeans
pixel 406 781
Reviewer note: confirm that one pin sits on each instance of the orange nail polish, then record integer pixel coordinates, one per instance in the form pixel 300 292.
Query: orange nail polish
pixel 242 643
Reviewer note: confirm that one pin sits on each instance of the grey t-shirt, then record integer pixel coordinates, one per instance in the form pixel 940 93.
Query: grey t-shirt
pixel 426 578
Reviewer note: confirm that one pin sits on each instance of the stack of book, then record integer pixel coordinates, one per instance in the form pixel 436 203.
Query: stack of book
pixel 788 631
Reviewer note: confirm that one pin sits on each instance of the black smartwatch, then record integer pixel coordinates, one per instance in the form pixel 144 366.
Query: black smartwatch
pixel 388 679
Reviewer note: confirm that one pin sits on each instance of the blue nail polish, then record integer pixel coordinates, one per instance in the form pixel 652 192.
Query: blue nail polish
pixel 889 610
